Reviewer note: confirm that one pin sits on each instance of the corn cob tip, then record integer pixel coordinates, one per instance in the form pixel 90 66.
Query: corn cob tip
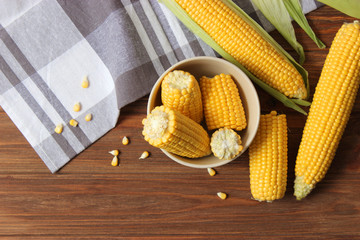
pixel 301 188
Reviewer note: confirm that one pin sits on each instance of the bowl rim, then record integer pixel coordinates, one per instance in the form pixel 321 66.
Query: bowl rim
pixel 222 61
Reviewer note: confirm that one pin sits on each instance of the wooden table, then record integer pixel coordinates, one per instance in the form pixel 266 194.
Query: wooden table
pixel 157 198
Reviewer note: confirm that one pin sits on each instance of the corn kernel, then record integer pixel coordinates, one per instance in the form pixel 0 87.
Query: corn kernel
pixel 125 141
pixel 222 195
pixel 144 155
pixel 77 107
pixel 85 82
pixel 114 152
pixel 73 122
pixel 59 128
pixel 115 161
pixel 211 171
pixel 88 117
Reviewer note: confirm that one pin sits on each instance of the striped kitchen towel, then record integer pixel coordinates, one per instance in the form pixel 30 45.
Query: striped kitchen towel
pixel 48 46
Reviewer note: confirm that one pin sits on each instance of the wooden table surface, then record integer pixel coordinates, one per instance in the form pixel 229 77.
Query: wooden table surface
pixel 157 198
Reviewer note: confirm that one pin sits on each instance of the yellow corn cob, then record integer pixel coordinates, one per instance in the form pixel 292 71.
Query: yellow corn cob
pixel 174 132
pixel 330 110
pixel 222 103
pixel 180 91
pixel 268 158
pixel 248 47
pixel 225 143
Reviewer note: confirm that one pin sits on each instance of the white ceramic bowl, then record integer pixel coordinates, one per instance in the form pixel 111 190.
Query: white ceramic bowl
pixel 211 66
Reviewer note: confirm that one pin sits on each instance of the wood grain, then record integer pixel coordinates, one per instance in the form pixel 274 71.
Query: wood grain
pixel 156 198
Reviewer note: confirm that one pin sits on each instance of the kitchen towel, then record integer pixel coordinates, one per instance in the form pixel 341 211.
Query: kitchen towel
pixel 47 47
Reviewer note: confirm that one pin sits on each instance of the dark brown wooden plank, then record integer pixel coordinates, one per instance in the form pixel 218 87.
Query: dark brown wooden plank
pixel 156 198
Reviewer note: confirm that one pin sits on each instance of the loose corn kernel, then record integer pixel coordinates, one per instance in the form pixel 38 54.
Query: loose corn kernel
pixel 211 171
pixel 222 195
pixel 59 128
pixel 144 155
pixel 73 122
pixel 125 141
pixel 88 117
pixel 114 152
pixel 115 161
pixel 85 82
pixel 77 107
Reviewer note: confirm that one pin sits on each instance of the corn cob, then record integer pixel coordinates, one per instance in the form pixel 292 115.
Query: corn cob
pixel 268 158
pixel 174 132
pixel 180 91
pixel 246 45
pixel 225 143
pixel 222 103
pixel 332 103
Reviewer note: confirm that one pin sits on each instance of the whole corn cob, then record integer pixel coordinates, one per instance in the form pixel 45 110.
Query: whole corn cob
pixel 174 132
pixel 246 45
pixel 222 103
pixel 180 91
pixel 330 110
pixel 225 143
pixel 268 158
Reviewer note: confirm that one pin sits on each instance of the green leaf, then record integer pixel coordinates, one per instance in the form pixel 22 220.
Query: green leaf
pixel 182 15
pixel 295 11
pixel 349 7
pixel 276 12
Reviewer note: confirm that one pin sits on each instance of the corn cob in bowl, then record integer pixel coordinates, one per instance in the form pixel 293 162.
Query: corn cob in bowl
pixel 211 66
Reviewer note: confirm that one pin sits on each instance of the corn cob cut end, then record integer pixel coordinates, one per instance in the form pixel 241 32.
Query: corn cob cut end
pixel 225 144
pixel 301 188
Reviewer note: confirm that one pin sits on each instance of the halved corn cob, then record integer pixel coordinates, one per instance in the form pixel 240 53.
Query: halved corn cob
pixel 268 158
pixel 222 103
pixel 180 91
pixel 246 45
pixel 332 103
pixel 174 132
pixel 225 143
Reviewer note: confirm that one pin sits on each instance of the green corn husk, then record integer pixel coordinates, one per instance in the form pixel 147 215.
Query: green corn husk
pixel 276 12
pixel 182 15
pixel 294 9
pixel 349 7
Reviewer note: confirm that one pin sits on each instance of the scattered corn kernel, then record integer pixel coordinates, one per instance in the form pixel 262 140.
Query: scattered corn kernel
pixel 85 82
pixel 59 128
pixel 144 155
pixel 73 122
pixel 222 195
pixel 125 141
pixel 211 171
pixel 88 117
pixel 115 161
pixel 114 152
pixel 77 107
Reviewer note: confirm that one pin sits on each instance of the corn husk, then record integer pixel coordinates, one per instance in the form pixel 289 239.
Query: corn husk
pixel 197 30
pixel 277 14
pixel 294 9
pixel 349 7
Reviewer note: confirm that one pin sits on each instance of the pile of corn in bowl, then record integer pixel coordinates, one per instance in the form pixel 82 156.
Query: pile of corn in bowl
pixel 202 112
